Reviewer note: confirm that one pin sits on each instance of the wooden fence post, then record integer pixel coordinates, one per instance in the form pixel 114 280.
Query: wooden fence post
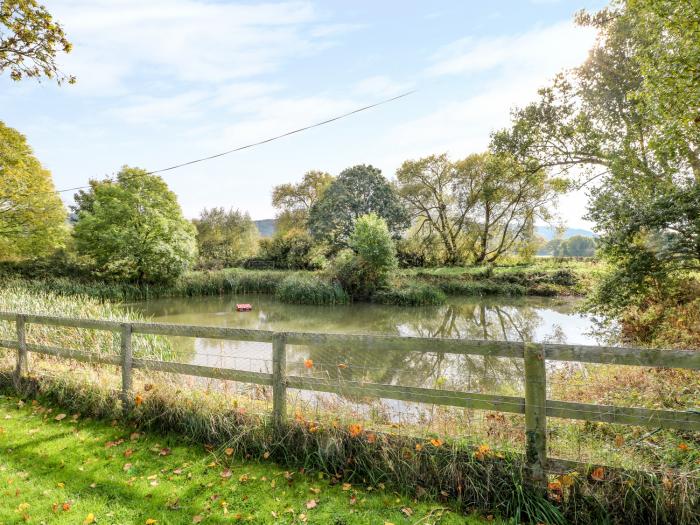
pixel 22 356
pixel 127 358
pixel 279 381
pixel 535 416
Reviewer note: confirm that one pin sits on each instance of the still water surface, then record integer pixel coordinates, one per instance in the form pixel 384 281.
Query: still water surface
pixel 512 319
pixel 539 319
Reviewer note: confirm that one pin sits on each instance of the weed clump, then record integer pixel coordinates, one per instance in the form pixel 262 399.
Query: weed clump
pixel 412 294
pixel 303 289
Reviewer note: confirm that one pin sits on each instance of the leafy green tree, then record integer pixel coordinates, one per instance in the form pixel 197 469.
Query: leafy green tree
pixel 293 248
pixel 505 198
pixel 668 54
pixel 372 241
pixel 440 199
pixel 294 201
pixel 357 191
pixel 618 119
pixel 32 216
pixel 30 39
pixel 481 207
pixel 225 237
pixel 574 246
pixel 133 228
pixel 365 267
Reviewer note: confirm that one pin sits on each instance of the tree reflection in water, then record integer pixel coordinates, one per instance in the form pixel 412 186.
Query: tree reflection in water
pixel 508 319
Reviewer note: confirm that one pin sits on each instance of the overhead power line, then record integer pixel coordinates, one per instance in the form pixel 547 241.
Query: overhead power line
pixel 259 143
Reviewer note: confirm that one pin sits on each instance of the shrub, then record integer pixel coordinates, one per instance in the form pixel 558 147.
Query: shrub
pixel 355 276
pixel 304 289
pixel 293 249
pixel 414 294
pixel 372 241
pixel 364 270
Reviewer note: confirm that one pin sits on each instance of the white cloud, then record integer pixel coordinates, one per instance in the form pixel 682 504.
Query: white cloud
pixel 381 86
pixel 185 40
pixel 562 45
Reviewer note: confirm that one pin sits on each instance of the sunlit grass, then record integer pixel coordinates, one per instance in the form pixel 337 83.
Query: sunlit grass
pixel 62 468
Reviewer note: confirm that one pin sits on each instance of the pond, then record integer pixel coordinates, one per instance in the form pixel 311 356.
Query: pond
pixel 512 319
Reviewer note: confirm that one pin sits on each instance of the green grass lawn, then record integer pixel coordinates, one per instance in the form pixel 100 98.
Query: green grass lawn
pixel 59 468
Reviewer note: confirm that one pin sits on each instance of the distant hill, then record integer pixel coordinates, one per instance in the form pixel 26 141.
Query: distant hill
pixel 548 233
pixel 266 227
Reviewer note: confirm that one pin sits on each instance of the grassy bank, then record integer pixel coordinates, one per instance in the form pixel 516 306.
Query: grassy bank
pixel 409 287
pixel 67 470
pixel 542 278
pixel 455 471
pixel 191 284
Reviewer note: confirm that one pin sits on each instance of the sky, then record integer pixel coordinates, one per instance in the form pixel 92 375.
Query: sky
pixel 162 82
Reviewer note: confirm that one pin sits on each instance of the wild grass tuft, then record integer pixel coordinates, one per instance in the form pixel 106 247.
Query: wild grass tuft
pixel 411 294
pixel 18 297
pixel 305 289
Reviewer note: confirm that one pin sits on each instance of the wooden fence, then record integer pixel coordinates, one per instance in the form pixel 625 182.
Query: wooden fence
pixel 535 405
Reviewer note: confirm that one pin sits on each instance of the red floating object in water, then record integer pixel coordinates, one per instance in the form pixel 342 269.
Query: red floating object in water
pixel 243 308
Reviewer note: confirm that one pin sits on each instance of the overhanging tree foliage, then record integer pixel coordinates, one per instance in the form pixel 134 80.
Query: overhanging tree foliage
pixel 32 216
pixel 30 39
pixel 133 228
pixel 634 128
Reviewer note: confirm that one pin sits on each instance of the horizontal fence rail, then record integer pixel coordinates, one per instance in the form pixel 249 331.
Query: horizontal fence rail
pixel 533 405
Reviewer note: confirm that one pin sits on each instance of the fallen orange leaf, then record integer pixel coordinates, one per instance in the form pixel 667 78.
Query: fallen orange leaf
pixel 355 429
pixel 598 474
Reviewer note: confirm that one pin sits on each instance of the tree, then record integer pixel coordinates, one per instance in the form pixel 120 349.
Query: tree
pixel 30 39
pixel 133 228
pixel 668 54
pixel 294 201
pixel 365 267
pixel 504 198
pixel 372 241
pixel 617 118
pixel 32 216
pixel 357 191
pixel 440 198
pixel 574 246
pixel 301 196
pixel 225 237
